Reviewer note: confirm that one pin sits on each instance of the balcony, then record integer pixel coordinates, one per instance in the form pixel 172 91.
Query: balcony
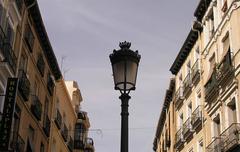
pixel 211 87
pixel 216 145
pixel 187 129
pixel 179 141
pixel 89 144
pixel 23 85
pixel 197 118
pixel 196 72
pixel 58 119
pixel 46 126
pixel 36 108
pixel 9 56
pixel 50 85
pixel 225 70
pixel 187 85
pixel 231 137
pixel 79 144
pixel 64 132
pixel 179 97
pixel 41 65
pixel 18 143
pixel 70 144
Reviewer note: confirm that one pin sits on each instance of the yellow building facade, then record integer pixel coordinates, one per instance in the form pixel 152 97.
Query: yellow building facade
pixel 204 110
pixel 45 115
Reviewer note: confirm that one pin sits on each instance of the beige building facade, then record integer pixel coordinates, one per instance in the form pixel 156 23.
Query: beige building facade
pixel 46 113
pixel 205 103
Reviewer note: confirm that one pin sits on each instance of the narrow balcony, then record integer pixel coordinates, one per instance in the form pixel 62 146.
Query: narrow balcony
pixel 64 132
pixel 58 119
pixel 211 87
pixel 216 145
pixel 36 107
pixel 89 144
pixel 231 137
pixel 23 85
pixel 187 85
pixel 9 56
pixel 179 141
pixel 81 115
pixel 70 144
pixel 187 129
pixel 179 97
pixel 197 118
pixel 225 70
pixel 50 85
pixel 41 65
pixel 46 126
pixel 196 72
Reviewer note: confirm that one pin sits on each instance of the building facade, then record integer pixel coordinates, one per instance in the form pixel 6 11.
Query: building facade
pixel 30 122
pixel 206 110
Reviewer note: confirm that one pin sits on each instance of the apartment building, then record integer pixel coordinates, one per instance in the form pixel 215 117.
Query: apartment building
pixel 206 70
pixel 33 94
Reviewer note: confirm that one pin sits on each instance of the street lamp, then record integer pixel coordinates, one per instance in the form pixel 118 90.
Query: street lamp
pixel 125 66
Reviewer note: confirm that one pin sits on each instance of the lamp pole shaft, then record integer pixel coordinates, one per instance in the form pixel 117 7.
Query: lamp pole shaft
pixel 124 124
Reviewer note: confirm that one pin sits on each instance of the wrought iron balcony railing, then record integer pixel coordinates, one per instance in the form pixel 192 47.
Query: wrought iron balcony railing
pixel 197 117
pixel 9 56
pixel 41 65
pixel 179 140
pixel 46 126
pixel 36 107
pixel 211 87
pixel 187 129
pixel 79 144
pixel 50 85
pixel 187 84
pixel 18 143
pixel 23 85
pixel 216 145
pixel 225 69
pixel 58 119
pixel 70 144
pixel 196 72
pixel 64 132
pixel 179 96
pixel 231 137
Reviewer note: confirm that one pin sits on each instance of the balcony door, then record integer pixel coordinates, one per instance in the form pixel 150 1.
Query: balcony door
pixel 231 112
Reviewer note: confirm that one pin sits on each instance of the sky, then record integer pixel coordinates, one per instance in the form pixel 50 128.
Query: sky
pixel 84 32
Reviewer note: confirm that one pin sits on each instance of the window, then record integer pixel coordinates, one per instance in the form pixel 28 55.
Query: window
pixel 46 107
pixel 200 146
pixel 189 109
pixel 197 53
pixel 212 64
pixel 42 147
pixel 23 63
pixel 216 126
pixel 225 44
pixel 188 67
pixel 30 143
pixel 180 79
pixel 9 34
pixel 198 100
pixel 180 120
pixel 211 24
pixel 29 37
pixel 231 112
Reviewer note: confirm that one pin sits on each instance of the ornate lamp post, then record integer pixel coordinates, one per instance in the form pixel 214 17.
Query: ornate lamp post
pixel 125 66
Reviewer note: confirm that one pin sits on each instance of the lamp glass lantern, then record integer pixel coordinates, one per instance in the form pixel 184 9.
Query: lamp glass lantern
pixel 125 67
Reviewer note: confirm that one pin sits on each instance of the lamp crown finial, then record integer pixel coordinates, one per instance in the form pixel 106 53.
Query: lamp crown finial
pixel 125 45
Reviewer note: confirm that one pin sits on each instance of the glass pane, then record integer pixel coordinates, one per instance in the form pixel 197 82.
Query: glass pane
pixel 131 74
pixel 118 73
